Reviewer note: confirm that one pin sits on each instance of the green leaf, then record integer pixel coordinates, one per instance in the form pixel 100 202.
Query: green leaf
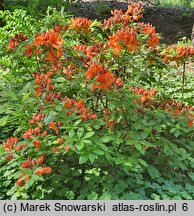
pixel 77 122
pixel 138 146
pixel 60 79
pixel 128 163
pixel 80 132
pixel 71 133
pixel 106 139
pixel 98 151
pixel 50 117
pixel 83 159
pixel 79 145
pixel 142 162
pixel 10 94
pixel 191 175
pixel 89 134
pixel 3 121
pixel 153 172
pixel 87 141
pixel 92 157
pixel 30 182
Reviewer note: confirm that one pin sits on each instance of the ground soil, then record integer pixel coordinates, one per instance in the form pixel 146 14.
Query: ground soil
pixel 171 23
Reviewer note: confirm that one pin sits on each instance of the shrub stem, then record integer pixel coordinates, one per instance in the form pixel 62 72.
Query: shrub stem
pixel 183 80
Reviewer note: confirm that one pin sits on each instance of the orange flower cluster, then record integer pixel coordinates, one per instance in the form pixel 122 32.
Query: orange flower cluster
pixel 117 18
pixel 34 134
pixel 147 96
pixel 118 83
pixel 10 143
pixel 51 41
pixel 69 72
pixel 143 91
pixel 43 83
pixel 15 41
pixel 44 170
pixel 78 106
pixel 32 164
pixel 37 118
pixel 81 24
pixel 90 51
pixel 23 179
pixel 127 37
pixel 148 29
pixel 102 75
pixel 59 28
pixel 134 12
pixel 51 96
pixel 177 52
pixel 31 133
pixel 147 101
pixel 61 141
pixel 20 147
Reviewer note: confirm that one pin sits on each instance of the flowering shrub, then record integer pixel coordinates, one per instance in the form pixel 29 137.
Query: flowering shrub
pixel 96 108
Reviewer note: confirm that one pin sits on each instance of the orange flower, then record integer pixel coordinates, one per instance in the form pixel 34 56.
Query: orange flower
pixel 29 134
pixel 105 81
pixel 153 40
pixel 29 49
pixel 53 126
pixel 82 24
pixel 176 112
pixel 67 148
pixel 178 53
pixel 43 83
pixel 68 104
pixel 36 144
pixel 101 75
pixel 44 170
pixel 118 83
pixel 40 160
pixel 9 157
pixel 56 149
pixel 60 141
pixel 23 181
pixel 94 70
pixel 55 40
pixel 134 11
pixel 14 41
pixel 10 144
pixel 190 123
pixel 20 183
pixel 20 147
pixel 127 37
pixel 130 40
pixel 49 39
pixel 117 18
pixel 77 106
pixel 28 164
